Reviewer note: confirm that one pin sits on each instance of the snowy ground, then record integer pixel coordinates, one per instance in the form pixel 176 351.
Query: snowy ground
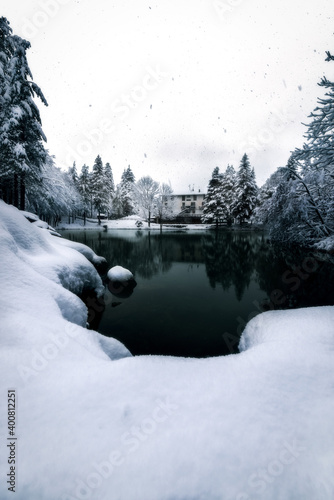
pixel 93 422
pixel 131 222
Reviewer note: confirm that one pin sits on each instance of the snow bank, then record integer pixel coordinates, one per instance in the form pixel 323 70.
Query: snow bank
pixel 298 329
pixel 83 249
pixel 119 273
pixel 39 277
pixel 34 219
pixel 326 245
pixel 256 425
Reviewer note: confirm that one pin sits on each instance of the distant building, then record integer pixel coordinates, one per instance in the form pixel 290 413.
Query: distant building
pixel 186 205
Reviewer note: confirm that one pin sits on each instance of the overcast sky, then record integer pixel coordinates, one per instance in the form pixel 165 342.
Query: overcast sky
pixel 175 88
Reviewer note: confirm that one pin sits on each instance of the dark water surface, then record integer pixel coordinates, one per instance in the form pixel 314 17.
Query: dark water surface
pixel 196 290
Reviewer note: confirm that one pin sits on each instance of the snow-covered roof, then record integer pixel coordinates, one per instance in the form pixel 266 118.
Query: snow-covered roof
pixel 188 193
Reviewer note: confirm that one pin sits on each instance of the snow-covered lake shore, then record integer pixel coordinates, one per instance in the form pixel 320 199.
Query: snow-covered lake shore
pixel 130 222
pixel 93 422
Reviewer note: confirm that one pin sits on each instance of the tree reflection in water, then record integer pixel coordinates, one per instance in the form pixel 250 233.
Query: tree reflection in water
pixel 194 287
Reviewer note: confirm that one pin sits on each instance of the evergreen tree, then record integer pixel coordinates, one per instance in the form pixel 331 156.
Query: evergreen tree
pixel 246 191
pixel 126 192
pixel 7 49
pixel 117 205
pixel 284 210
pixel 22 153
pixel 84 186
pixel 213 209
pixel 315 164
pixel 73 173
pixel 98 187
pixel 109 185
pixel 228 193
pixel 265 195
pixel 318 151
pixel 303 206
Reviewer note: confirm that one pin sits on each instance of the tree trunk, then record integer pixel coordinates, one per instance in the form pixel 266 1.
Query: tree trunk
pixel 149 218
pixel 84 217
pixel 23 192
pixel 16 191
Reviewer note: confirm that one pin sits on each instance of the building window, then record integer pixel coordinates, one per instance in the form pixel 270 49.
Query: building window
pixel 195 197
pixel 183 198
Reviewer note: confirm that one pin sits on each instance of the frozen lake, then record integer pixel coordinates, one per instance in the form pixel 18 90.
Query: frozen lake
pixel 196 290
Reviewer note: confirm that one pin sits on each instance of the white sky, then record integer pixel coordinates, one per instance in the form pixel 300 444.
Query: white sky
pixel 176 87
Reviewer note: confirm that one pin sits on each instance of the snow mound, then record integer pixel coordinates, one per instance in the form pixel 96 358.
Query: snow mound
pixel 83 249
pixel 119 273
pixel 34 219
pixel 313 325
pixel 30 216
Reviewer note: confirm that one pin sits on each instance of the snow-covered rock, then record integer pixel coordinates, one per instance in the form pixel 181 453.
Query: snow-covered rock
pixel 119 273
pixel 251 426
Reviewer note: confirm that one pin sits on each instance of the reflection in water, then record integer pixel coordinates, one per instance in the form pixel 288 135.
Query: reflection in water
pixel 121 289
pixel 230 259
pixel 196 291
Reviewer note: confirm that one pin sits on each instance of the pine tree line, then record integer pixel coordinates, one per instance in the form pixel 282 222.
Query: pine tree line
pixel 231 195
pixel 98 194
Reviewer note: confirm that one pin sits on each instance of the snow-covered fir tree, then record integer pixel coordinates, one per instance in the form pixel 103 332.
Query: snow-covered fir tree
pixel 265 194
pixel 126 192
pixel 318 151
pixel 303 207
pixel 246 191
pixel 100 193
pixel 228 193
pixel 117 204
pixel 7 49
pixel 213 210
pixel 22 152
pixel 282 209
pixel 110 186
pixel 73 173
pixel 84 187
